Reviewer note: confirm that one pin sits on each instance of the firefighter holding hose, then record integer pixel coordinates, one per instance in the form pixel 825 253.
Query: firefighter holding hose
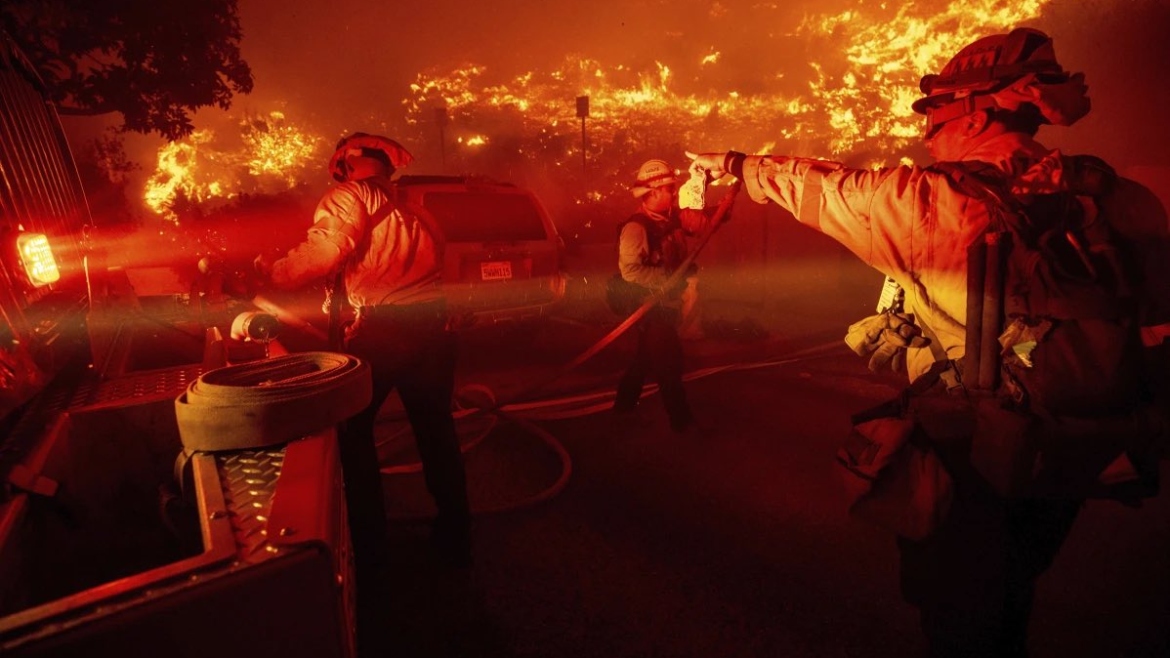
pixel 652 244
pixel 385 262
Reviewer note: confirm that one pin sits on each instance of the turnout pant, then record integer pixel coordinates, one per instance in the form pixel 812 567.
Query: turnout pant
pixel 974 579
pixel 659 354
pixel 409 349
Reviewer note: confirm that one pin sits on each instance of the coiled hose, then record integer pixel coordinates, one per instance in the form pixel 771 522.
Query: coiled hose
pixel 263 403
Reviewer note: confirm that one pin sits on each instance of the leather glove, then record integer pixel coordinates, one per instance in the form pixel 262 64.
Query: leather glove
pixel 862 336
pixel 712 163
pixel 263 265
pixel 885 337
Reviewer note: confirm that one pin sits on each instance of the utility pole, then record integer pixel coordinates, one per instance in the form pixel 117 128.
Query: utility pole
pixel 582 112
pixel 441 121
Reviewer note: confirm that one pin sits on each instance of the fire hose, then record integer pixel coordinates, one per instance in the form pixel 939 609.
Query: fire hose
pixel 487 403
pixel 263 403
pixel 717 220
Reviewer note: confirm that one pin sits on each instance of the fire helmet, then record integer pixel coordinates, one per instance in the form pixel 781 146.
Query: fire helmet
pixel 652 174
pixel 361 144
pixel 1004 71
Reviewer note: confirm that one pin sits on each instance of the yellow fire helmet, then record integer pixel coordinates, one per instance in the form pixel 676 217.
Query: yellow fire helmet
pixel 1005 71
pixel 358 143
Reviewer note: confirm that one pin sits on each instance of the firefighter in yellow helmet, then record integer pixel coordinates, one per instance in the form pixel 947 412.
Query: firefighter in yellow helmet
pixel 971 561
pixel 652 244
pixel 386 263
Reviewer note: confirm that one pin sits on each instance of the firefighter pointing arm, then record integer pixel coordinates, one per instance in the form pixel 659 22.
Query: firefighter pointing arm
pixel 973 570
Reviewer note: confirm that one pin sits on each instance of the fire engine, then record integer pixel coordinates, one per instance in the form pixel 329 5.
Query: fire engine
pixel 115 539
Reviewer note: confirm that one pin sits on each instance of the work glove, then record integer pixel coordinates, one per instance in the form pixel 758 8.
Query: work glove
pixel 714 164
pixel 885 338
pixel 692 194
pixel 262 264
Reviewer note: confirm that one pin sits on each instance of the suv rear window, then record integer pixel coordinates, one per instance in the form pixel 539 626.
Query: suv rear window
pixel 485 216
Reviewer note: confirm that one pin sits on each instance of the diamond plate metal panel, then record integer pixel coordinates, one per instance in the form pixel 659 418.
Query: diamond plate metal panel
pixel 249 481
pixel 137 387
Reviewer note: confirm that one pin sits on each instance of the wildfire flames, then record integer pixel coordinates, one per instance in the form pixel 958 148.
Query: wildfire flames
pixel 860 86
pixel 274 156
pixel 850 100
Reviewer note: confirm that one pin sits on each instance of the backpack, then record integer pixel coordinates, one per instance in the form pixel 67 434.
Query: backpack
pixel 1054 357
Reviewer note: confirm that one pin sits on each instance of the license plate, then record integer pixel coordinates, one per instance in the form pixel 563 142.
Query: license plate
pixel 496 270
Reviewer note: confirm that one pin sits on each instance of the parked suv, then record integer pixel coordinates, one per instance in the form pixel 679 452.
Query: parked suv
pixel 503 255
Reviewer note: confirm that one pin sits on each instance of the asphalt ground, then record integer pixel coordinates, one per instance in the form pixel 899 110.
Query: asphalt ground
pixel 599 536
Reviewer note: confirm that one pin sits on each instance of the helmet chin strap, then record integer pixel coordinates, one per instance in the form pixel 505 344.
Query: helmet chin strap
pixel 956 109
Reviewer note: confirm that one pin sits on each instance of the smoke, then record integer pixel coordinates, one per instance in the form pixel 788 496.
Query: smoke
pixel 333 68
pixel 347 64
pixel 1123 47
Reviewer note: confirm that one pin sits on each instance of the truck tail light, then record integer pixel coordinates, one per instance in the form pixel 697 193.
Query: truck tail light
pixel 37 258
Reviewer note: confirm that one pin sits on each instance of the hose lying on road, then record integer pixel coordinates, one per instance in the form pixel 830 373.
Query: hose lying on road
pixel 263 403
pixel 562 408
pixel 717 220
pixel 488 403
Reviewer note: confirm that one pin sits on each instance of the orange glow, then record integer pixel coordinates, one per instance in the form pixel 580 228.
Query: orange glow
pixel 843 92
pixel 868 100
pixel 276 155
pixel 175 174
pixel 862 77
pixel 276 147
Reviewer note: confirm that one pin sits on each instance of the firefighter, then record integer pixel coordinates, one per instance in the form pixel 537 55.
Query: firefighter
pixel 974 576
pixel 387 264
pixel 652 244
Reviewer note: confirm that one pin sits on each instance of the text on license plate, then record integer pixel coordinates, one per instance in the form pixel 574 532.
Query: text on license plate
pixel 493 270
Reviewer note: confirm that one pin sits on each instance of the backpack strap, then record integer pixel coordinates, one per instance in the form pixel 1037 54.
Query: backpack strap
pixel 985 182
pixel 898 407
pixel 944 368
pixel 986 265
pixel 654 230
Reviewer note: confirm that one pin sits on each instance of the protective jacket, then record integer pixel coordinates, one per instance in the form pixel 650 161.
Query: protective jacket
pixel 649 260
pixel 390 255
pixel 908 222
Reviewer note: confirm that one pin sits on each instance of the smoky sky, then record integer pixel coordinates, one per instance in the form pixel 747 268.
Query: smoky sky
pixel 341 65
pixel 356 56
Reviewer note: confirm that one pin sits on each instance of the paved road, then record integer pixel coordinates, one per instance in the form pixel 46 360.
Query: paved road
pixel 732 544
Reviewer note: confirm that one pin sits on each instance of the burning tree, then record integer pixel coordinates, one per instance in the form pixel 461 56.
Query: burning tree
pixel 232 194
pixel 269 156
